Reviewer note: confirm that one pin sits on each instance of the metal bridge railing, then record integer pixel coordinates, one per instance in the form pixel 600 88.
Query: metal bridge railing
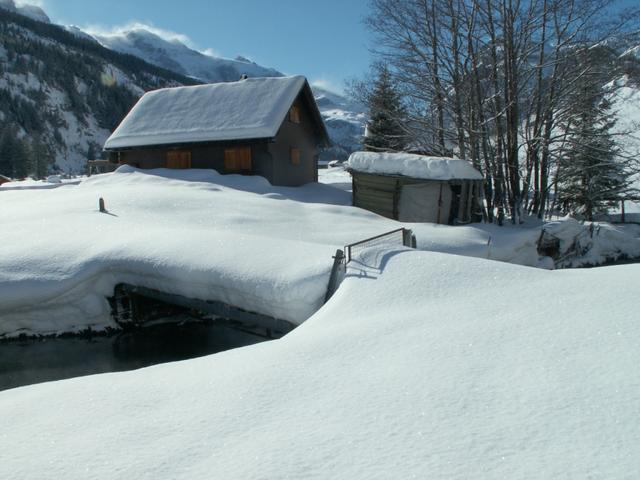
pixel 400 236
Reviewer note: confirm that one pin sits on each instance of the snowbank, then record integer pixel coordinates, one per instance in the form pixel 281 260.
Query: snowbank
pixel 53 181
pixel 415 166
pixel 196 233
pixel 592 243
pixel 422 365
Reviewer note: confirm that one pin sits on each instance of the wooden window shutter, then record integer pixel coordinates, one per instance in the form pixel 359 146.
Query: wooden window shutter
pixel 238 159
pixel 231 160
pixel 295 156
pixel 294 114
pixel 178 159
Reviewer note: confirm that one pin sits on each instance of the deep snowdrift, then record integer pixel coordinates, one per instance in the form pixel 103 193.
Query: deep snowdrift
pixel 199 234
pixel 422 365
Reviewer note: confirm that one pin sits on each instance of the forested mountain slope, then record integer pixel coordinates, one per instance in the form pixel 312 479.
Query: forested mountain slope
pixel 61 95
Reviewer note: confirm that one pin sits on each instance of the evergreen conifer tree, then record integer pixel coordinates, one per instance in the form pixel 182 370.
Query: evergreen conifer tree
pixel 13 155
pixel 592 176
pixel 385 130
pixel 40 157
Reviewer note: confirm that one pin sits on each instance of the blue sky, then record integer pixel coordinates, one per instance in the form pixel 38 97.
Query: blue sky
pixel 322 39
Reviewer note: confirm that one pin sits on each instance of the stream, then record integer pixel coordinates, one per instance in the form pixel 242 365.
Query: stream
pixel 25 362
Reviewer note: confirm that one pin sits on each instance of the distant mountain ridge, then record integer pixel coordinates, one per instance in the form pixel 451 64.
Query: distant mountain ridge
pixel 176 56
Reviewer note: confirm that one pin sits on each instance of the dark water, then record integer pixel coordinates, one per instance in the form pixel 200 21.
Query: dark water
pixel 34 361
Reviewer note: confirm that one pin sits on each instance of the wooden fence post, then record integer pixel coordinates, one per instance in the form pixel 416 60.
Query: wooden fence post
pixel 338 259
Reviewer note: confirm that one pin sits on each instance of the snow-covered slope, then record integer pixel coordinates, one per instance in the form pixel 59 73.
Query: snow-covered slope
pixel 423 365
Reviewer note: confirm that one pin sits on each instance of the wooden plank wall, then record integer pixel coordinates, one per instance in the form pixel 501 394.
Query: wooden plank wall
pixel 376 193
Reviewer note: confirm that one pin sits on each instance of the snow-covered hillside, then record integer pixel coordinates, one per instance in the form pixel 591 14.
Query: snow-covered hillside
pixel 423 365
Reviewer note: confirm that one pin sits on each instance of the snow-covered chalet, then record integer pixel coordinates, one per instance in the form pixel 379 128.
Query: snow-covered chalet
pixel 256 126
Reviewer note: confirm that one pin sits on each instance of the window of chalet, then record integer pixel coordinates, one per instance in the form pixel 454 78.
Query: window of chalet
pixel 237 159
pixel 295 156
pixel 294 114
pixel 179 159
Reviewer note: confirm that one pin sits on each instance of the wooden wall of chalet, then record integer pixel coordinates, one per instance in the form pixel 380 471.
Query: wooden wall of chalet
pixel 291 168
pixel 381 194
pixel 202 156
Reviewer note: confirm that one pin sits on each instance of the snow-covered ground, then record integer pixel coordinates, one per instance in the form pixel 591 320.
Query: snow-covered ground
pixel 52 181
pixel 203 235
pixel 337 177
pixel 423 365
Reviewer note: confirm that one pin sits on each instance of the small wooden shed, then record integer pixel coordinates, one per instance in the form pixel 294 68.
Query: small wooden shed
pixel 416 188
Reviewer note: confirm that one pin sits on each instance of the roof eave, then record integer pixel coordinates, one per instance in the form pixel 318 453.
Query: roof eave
pixel 398 175
pixel 185 144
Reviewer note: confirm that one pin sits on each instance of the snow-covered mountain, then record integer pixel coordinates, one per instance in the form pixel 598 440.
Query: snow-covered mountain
pixel 176 56
pixel 32 11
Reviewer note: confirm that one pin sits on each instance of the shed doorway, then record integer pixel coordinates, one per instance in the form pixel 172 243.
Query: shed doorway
pixel 425 202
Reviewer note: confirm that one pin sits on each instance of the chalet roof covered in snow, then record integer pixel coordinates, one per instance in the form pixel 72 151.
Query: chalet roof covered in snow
pixel 252 108
pixel 414 166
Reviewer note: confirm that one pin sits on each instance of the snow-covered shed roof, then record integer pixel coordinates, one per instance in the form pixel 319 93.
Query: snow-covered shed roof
pixel 251 108
pixel 414 166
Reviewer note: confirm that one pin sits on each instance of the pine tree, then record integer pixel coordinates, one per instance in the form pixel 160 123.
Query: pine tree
pixel 41 158
pixel 13 155
pixel 385 130
pixel 91 151
pixel 592 176
pixel 6 164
